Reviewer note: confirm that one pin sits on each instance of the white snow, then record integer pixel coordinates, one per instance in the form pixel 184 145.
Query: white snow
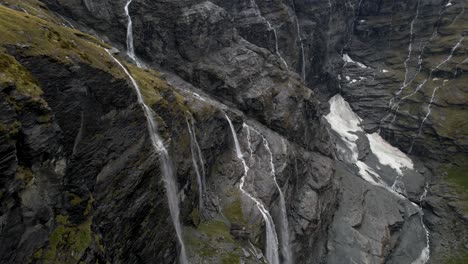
pixel 348 59
pixel 342 118
pixel 346 123
pixel 388 154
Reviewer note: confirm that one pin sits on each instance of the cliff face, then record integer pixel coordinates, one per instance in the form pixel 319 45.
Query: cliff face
pixel 82 182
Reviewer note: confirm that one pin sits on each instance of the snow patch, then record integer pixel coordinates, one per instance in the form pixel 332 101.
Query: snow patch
pixel 388 154
pixel 348 59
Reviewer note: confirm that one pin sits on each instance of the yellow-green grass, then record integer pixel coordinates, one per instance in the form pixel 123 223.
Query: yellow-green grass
pixel 38 37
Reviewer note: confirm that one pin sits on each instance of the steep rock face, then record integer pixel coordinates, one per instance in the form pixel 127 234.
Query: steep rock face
pixel 86 193
pixel 238 53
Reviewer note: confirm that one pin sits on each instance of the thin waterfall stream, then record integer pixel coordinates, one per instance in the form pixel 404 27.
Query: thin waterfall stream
pixel 167 168
pixel 271 247
pixel 197 160
pixel 284 224
pixel 270 27
pixel 130 43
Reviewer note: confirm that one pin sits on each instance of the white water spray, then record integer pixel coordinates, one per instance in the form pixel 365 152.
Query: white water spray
pixel 426 252
pixel 271 251
pixel 410 48
pixel 284 223
pixel 197 161
pixel 130 43
pixel 167 168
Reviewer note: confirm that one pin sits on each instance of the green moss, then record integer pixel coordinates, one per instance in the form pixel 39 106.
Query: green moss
pixel 195 216
pixel 216 229
pixel 76 200
pixel 462 259
pixel 23 173
pixel 38 254
pixel 98 136
pixel 457 175
pixel 450 122
pixel 13 73
pixel 231 258
pixel 35 8
pixel 201 246
pixel 89 206
pixel 98 242
pixel 67 242
pixel 42 37
pixel 44 118
pixel 61 219
pixel 234 212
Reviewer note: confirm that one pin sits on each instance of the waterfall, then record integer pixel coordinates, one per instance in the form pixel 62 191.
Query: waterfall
pixel 395 106
pixel 270 27
pixel 429 110
pixel 437 67
pixel 271 251
pixel 167 168
pixel 303 68
pixel 284 224
pixel 410 48
pixel 130 45
pixel 197 159
pixel 426 252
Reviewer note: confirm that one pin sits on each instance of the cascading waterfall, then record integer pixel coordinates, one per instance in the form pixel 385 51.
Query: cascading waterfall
pixel 130 44
pixel 271 251
pixel 270 27
pixel 434 34
pixel 167 168
pixel 426 252
pixel 197 160
pixel 429 110
pixel 284 224
pixel 410 48
pixel 395 106
pixel 437 67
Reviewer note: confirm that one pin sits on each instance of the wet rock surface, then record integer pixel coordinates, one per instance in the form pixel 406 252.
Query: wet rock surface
pixel 82 183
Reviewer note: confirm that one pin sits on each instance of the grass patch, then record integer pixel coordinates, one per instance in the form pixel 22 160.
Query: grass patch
pixel 13 73
pixel 231 258
pixel 463 259
pixel 234 213
pixel 450 122
pixel 458 175
pixel 215 230
pixel 24 174
pixel 39 37
pixel 67 242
